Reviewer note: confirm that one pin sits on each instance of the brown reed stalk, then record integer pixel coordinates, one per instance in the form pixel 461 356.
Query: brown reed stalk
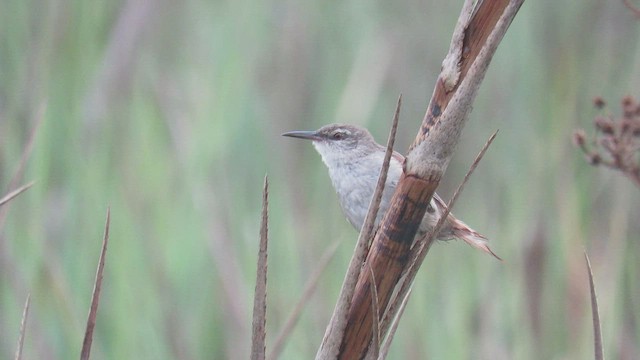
pixel 479 30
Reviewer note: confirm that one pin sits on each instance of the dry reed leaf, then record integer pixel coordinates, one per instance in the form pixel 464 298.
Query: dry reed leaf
pixel 595 314
pixel 335 330
pixel 384 350
pixel 13 194
pixel 23 328
pixel 258 339
pixel 309 289
pixel 95 298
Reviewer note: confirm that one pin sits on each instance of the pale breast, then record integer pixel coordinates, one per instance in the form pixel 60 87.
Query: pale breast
pixel 355 183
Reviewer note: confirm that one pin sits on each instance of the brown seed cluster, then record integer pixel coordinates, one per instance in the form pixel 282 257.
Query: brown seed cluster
pixel 616 141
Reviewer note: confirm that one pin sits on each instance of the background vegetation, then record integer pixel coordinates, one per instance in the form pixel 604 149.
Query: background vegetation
pixel 171 113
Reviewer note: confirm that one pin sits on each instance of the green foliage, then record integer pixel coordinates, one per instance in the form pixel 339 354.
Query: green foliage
pixel 171 113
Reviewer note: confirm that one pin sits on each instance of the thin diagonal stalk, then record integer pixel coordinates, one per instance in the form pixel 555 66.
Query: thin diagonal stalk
pixel 12 195
pixel 595 314
pixel 384 350
pixel 309 289
pixel 23 328
pixel 258 340
pixel 335 330
pixel 95 299
pixel 375 341
pixel 421 251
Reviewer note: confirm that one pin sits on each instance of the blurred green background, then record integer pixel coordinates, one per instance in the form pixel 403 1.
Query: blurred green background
pixel 171 113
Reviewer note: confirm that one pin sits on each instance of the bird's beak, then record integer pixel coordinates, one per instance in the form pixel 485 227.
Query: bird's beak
pixel 309 135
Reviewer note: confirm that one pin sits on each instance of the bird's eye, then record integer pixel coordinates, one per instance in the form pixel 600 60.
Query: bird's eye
pixel 338 135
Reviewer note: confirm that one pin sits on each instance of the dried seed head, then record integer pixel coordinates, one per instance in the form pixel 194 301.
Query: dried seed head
pixel 628 106
pixel 579 138
pixel 604 125
pixel 599 102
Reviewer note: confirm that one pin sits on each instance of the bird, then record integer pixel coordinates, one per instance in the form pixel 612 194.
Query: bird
pixel 354 160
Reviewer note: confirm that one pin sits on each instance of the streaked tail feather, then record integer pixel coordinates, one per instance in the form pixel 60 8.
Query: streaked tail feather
pixel 471 237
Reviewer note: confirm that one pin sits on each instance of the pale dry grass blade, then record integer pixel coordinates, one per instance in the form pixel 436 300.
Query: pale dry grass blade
pixel 366 80
pixel 95 298
pixel 258 343
pixel 309 289
pixel 634 10
pixel 458 191
pixel 384 349
pixel 114 76
pixel 28 149
pixel 333 335
pixel 374 351
pixel 454 198
pixel 24 158
pixel 13 194
pixel 8 265
pixel 232 293
pixel 419 252
pixel 595 314
pixel 23 328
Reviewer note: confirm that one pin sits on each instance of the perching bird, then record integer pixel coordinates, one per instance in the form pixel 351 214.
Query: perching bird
pixel 354 160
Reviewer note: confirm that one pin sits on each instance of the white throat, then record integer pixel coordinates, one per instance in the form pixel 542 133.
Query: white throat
pixel 354 175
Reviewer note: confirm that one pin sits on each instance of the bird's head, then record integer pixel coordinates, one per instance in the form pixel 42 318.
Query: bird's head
pixel 339 141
